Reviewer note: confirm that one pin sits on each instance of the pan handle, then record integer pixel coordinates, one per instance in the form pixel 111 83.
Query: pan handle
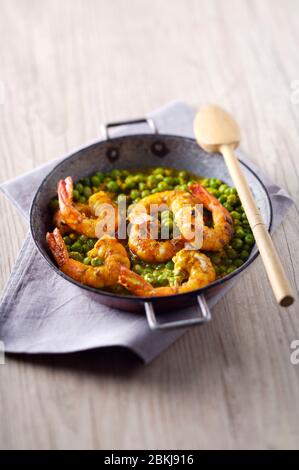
pixel 203 317
pixel 105 127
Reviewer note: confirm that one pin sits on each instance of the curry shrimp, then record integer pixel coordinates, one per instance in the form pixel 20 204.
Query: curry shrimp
pixel 184 208
pixel 112 253
pixel 216 237
pixel 92 222
pixel 196 268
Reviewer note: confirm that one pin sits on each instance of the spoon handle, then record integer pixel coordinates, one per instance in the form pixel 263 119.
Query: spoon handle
pixel 272 263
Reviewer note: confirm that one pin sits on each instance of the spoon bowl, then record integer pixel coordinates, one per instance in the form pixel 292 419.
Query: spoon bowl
pixel 214 127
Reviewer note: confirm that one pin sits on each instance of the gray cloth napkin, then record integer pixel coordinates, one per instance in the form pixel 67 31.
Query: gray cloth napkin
pixel 40 312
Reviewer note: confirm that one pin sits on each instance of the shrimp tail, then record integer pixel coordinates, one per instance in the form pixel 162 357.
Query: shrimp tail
pixel 68 211
pixel 201 193
pixel 57 247
pixel 133 282
pixel 65 191
pixel 208 199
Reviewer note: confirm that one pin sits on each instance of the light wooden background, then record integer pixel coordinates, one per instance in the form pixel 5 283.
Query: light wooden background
pixel 65 67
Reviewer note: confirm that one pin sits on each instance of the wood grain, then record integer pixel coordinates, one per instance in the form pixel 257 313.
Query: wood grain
pixel 65 67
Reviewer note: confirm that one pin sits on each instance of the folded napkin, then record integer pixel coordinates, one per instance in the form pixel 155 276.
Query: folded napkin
pixel 40 312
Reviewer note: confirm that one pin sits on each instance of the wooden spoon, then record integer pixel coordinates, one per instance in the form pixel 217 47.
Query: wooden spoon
pixel 216 131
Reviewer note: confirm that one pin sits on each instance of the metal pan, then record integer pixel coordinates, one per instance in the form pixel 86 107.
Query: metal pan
pixel 143 151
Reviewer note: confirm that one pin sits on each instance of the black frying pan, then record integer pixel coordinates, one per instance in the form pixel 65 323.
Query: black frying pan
pixel 143 151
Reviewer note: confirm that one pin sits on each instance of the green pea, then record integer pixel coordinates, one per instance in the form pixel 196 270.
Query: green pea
pixel 213 191
pixel 158 171
pixel 139 178
pixel 244 217
pixel 183 174
pixel 124 173
pixel 205 182
pixel 79 187
pixel 216 259
pixel 237 243
pixel 231 253
pixel 156 190
pixel 54 205
pixel 148 269
pixel 100 175
pixel 222 198
pixel 169 265
pixel 239 232
pixel 152 181
pixel 87 260
pixel 82 199
pixel 168 272
pixel 233 191
pixel 85 248
pixel 76 195
pixel 138 268
pixel 82 238
pixel 247 247
pixel 219 270
pixel 156 274
pixel 228 207
pixel 96 262
pixel 232 199
pixel 169 180
pixel 113 186
pixel 169 171
pixel 159 178
pixel 87 181
pixel 228 261
pixel 244 255
pixel 227 191
pixel 75 255
pixel 161 280
pixel 87 192
pixel 90 243
pixel 235 215
pixel 249 239
pixel 96 180
pixel 67 240
pixel 77 246
pixel 129 183
pixel 149 277
pixel 222 188
pixel 238 262
pixel 160 266
pixel 214 183
pixel 182 187
pixel 73 236
pixel 145 193
pixel 134 194
pixel 162 186
pixel 142 186
pixel 68 247
pixel 230 269
pixel 115 174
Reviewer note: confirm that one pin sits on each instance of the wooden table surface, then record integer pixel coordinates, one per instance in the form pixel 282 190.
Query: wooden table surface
pixel 65 67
